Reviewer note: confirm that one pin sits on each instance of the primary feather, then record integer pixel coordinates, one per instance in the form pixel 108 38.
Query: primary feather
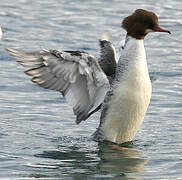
pixel 76 74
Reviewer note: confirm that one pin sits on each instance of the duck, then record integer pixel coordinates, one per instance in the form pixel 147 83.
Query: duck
pixel 116 84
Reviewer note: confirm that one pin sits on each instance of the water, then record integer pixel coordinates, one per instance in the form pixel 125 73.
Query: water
pixel 38 137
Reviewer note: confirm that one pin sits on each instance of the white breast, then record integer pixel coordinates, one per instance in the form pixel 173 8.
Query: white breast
pixel 128 105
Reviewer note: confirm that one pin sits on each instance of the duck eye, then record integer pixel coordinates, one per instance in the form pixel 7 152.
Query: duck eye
pixel 150 25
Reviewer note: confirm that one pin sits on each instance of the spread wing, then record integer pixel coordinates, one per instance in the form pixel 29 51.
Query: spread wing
pixel 77 75
pixel 108 56
pixel 107 60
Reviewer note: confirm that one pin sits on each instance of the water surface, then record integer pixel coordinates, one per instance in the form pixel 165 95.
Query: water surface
pixel 39 138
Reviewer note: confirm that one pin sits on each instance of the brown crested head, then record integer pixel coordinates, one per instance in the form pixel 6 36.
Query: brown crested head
pixel 140 23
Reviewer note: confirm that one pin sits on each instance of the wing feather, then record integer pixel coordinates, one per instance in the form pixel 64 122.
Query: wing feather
pixel 77 75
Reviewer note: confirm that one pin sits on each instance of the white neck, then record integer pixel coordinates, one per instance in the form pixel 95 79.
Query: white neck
pixel 133 55
pixel 131 94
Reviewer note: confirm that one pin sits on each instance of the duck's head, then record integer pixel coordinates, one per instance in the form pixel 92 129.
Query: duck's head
pixel 140 23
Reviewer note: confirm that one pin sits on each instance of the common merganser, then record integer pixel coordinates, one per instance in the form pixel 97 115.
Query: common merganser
pixel 122 89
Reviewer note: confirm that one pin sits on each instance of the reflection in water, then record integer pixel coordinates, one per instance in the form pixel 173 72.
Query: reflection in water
pixel 90 160
pixel 126 160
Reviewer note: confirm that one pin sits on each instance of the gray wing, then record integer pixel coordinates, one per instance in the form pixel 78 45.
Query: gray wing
pixel 107 60
pixel 77 75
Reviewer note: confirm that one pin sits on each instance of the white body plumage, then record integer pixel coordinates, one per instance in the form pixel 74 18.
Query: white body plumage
pixel 131 97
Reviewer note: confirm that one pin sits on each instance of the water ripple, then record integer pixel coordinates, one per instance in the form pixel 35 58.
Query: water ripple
pixel 39 138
